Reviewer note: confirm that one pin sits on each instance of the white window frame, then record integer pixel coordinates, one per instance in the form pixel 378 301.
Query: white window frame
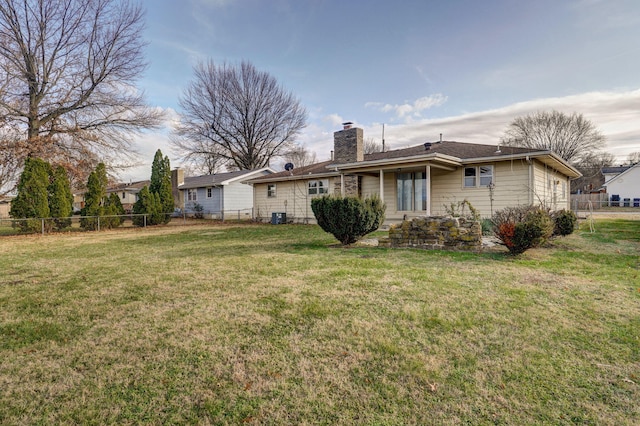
pixel 483 176
pixel 271 190
pixel 318 187
pixel 192 194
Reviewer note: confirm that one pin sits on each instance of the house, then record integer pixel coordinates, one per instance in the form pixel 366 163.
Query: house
pixel 5 207
pixel 217 195
pixel 623 185
pixel 421 180
pixel 128 192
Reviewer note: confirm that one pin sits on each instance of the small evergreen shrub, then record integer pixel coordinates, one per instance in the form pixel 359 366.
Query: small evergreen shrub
pixel 523 227
pixel 348 218
pixel 198 211
pixel 487 227
pixel 565 222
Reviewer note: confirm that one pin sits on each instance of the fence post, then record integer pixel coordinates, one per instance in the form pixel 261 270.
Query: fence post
pixel 238 215
pixel 42 220
pixel 98 223
pixel 145 221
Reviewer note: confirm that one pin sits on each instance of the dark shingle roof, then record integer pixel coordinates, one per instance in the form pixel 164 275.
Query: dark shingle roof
pixel 615 170
pixel 211 180
pixel 459 150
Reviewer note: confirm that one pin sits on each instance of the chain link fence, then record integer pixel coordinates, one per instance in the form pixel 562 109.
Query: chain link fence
pixel 11 226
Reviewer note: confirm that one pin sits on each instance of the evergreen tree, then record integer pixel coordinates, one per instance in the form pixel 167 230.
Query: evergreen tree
pixel 148 204
pixel 32 199
pixel 113 207
pixel 60 198
pixel 161 184
pixel 94 197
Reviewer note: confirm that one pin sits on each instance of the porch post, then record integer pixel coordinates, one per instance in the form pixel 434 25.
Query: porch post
pixel 428 183
pixel 342 184
pixel 382 185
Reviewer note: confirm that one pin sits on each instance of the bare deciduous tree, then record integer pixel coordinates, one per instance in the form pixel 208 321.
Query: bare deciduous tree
pixel 198 156
pixel 67 74
pixel 591 166
pixel 300 156
pixel 239 113
pixel 371 146
pixel 633 158
pixel 572 137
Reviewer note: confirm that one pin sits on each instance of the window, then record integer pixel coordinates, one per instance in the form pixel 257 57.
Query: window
pixel 192 194
pixel 209 192
pixel 317 187
pixel 271 190
pixel 411 191
pixel 486 175
pixel 124 194
pixel 471 175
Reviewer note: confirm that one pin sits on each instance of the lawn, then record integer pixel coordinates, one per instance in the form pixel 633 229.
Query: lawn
pixel 275 325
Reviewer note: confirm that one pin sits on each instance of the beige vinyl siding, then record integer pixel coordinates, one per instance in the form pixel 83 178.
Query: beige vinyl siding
pixel 548 185
pixel 511 180
pixel 291 198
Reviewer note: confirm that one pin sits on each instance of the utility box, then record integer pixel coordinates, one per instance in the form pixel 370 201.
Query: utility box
pixel 278 218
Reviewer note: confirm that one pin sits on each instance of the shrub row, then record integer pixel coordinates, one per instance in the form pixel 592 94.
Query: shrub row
pixel 523 227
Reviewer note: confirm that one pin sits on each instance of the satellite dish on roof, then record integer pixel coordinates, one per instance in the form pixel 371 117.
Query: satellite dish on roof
pixel 288 167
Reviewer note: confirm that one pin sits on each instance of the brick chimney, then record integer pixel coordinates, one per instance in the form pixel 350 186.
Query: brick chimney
pixel 348 147
pixel 348 144
pixel 177 179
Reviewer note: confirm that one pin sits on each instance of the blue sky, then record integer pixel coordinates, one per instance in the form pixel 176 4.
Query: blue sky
pixel 461 68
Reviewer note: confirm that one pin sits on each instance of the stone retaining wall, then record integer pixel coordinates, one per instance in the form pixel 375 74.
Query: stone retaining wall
pixel 436 233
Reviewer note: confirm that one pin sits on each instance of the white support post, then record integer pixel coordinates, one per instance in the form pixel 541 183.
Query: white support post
pixel 342 184
pixel 382 185
pixel 428 183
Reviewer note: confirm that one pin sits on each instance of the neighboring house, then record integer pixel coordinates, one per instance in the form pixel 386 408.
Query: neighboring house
pixel 623 185
pixel 128 192
pixel 420 180
pixel 217 195
pixel 5 207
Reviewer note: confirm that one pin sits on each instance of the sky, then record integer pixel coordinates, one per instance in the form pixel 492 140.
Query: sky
pixel 463 68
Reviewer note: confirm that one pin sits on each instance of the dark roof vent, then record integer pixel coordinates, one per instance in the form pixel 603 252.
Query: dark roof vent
pixel 427 146
pixel 347 125
pixel 288 167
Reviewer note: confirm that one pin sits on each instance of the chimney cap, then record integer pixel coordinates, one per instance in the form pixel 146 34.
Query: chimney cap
pixel 347 125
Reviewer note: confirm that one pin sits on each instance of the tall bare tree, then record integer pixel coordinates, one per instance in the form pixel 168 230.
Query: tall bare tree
pixel 371 146
pixel 67 77
pixel 239 113
pixel 199 156
pixel 590 166
pixel 572 137
pixel 300 156
pixel 633 158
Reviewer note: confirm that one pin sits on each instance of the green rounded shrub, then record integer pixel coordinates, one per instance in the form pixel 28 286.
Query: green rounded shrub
pixel 523 227
pixel 565 222
pixel 348 218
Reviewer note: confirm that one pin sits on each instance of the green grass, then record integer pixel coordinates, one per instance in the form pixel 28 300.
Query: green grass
pixel 275 325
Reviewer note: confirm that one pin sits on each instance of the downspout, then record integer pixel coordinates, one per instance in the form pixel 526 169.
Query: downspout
pixel 531 188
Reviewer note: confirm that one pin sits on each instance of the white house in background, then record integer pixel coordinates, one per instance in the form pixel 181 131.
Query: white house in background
pixel 623 185
pixel 217 195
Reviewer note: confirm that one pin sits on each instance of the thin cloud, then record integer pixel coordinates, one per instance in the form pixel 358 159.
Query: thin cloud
pixel 408 110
